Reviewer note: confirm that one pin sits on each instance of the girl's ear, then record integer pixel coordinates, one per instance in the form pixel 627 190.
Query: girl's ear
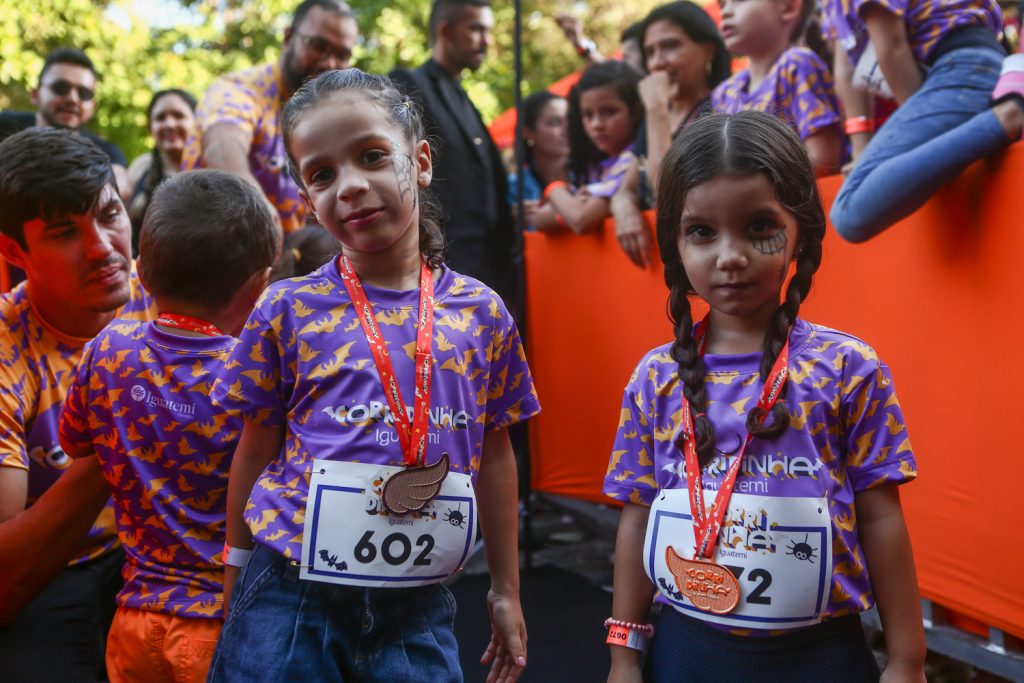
pixel 791 11
pixel 424 164
pixel 309 204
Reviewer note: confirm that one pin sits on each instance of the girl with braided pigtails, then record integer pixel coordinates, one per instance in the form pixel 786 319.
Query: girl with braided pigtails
pixel 758 456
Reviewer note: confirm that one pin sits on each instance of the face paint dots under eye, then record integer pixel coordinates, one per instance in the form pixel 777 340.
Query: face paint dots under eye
pixel 770 246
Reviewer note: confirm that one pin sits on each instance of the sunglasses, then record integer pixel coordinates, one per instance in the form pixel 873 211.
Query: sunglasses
pixel 62 88
pixel 321 47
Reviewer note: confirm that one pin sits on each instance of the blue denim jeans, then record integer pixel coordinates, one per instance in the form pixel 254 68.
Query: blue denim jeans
pixel 944 127
pixel 281 628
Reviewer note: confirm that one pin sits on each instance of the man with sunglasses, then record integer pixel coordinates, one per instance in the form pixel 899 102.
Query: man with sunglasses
pixel 238 122
pixel 66 98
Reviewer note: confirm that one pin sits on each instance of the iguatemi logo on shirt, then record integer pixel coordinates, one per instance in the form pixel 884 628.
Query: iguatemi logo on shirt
pixel 367 414
pixel 141 395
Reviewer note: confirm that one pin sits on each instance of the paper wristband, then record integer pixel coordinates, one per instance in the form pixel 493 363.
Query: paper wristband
pixel 235 557
pixel 627 637
pixel 859 124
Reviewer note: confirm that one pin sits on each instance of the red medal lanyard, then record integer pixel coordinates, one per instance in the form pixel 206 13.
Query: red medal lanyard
pixel 184 322
pixel 707 525
pixel 413 437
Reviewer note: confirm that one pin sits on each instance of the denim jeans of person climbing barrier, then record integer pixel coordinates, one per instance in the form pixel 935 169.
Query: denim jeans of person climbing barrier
pixel 933 136
pixel 282 628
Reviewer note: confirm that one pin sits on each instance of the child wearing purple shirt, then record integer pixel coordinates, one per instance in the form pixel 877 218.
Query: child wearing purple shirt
pixel 960 99
pixel 758 456
pixel 140 401
pixel 791 82
pixel 377 394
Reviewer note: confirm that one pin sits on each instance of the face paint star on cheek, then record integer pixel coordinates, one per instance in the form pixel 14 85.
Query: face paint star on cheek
pixel 772 245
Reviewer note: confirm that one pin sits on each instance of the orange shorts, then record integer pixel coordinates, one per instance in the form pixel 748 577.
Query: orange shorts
pixel 153 646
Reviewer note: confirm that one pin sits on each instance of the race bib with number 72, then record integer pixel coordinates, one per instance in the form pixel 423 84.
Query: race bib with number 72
pixel 349 537
pixel 779 549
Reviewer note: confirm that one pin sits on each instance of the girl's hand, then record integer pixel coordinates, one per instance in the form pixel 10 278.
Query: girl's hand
pixel 633 236
pixel 506 652
pixel 230 579
pixel 625 672
pixel 897 672
pixel 656 91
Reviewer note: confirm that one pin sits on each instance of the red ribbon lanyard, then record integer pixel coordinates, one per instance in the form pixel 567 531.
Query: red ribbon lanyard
pixel 707 525
pixel 413 437
pixel 184 322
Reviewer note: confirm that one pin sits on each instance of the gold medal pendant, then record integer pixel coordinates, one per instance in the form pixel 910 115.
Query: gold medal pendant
pixel 708 585
pixel 412 488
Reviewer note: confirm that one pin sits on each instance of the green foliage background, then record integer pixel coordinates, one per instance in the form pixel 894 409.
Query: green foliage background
pixel 191 42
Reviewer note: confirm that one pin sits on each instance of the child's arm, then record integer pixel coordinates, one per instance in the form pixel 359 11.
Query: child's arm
pixel 257 446
pixel 630 227
pixel 888 34
pixel 886 544
pixel 632 590
pixel 856 103
pixel 825 150
pixel 581 212
pixel 498 499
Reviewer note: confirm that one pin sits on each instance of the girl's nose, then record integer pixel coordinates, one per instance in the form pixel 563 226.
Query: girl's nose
pixel 352 185
pixel 731 256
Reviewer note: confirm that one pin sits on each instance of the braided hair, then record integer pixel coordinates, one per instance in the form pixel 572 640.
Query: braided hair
pixel 742 144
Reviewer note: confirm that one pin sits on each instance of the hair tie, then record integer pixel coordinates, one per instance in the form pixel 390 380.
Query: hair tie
pixel 407 103
pixel 699 415
pixel 296 254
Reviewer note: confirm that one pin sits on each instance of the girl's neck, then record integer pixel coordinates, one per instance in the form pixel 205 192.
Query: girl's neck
pixel 396 268
pixel 762 64
pixel 684 103
pixel 732 335
pixel 171 162
pixel 550 167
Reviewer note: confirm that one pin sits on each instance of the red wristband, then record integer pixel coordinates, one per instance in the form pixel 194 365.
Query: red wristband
pixel 859 124
pixel 554 186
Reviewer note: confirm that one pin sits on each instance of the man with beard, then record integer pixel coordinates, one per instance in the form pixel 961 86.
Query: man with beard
pixel 238 123
pixel 63 223
pixel 66 98
pixel 469 178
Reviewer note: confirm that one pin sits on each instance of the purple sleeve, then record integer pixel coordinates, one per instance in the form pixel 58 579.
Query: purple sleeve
pixel 897 7
pixel 511 396
pixel 630 476
pixel 877 446
pixel 812 102
pixel 253 382
pixel 73 431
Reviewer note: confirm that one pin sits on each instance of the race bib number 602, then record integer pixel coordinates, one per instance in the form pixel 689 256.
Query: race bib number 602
pixel 350 538
pixel 779 550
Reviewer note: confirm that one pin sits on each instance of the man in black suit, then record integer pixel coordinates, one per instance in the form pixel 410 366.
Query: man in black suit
pixel 469 178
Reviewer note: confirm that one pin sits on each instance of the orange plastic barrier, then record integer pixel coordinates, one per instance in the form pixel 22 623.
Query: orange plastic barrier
pixel 939 295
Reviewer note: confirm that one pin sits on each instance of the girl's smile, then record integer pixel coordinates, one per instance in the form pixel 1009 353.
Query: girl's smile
pixel 362 186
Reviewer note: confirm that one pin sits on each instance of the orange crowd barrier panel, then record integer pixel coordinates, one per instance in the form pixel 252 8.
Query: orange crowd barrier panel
pixel 939 295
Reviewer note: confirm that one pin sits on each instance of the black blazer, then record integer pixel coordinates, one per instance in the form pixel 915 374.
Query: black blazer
pixel 469 182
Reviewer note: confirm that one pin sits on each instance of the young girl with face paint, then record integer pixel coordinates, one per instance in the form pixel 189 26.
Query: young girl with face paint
pixel 377 392
pixel 758 456
pixel 789 81
pixel 604 113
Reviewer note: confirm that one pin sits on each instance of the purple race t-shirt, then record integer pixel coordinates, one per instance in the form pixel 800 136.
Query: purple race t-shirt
pixel 140 400
pixel 846 434
pixel 799 89
pixel 927 21
pixel 303 364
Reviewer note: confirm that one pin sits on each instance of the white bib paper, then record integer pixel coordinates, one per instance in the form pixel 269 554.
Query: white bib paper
pixel 349 537
pixel 779 549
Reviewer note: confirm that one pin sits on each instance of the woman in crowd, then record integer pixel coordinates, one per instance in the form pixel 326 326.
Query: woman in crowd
pixel 546 153
pixel 171 121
